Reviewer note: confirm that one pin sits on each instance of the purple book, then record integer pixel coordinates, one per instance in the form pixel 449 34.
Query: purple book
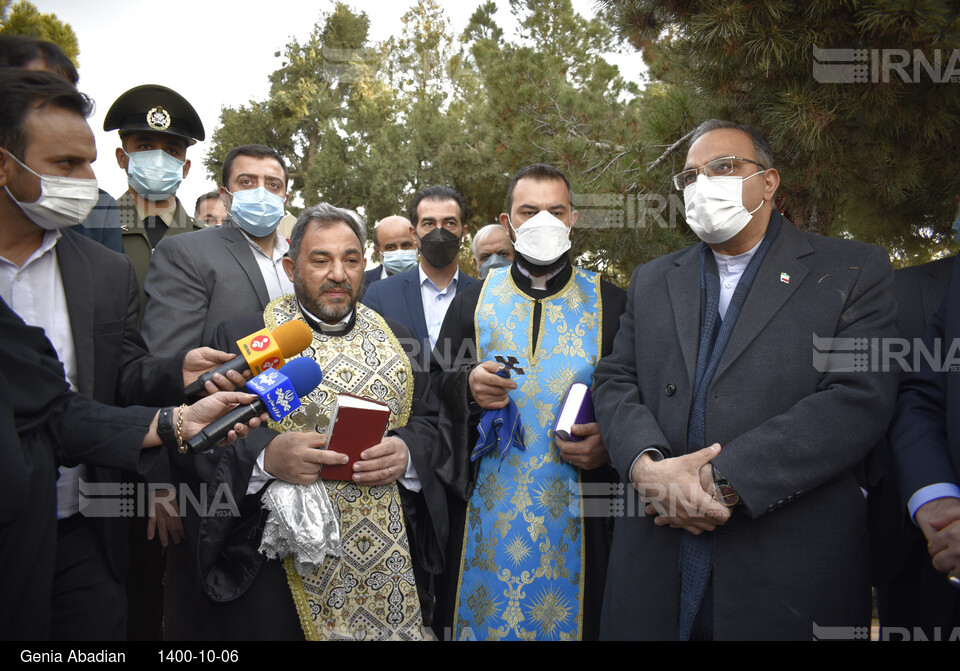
pixel 577 408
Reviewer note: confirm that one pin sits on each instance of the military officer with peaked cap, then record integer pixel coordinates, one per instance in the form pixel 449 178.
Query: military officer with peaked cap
pixel 156 126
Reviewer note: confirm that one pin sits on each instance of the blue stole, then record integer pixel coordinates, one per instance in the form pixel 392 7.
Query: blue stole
pixel 696 552
pixel 522 570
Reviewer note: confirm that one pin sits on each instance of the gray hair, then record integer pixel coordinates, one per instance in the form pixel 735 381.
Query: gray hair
pixel 325 214
pixel 483 233
pixel 760 143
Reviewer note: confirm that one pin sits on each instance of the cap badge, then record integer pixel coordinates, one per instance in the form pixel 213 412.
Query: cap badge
pixel 158 118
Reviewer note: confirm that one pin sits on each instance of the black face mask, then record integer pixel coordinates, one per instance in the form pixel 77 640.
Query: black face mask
pixel 439 247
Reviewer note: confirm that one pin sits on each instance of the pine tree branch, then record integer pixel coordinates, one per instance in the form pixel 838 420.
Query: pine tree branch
pixel 672 148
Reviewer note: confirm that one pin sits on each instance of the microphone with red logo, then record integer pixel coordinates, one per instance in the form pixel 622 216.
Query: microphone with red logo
pixel 261 350
pixel 279 394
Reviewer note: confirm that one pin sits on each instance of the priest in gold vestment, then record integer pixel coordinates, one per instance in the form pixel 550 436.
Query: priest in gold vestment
pixel 390 517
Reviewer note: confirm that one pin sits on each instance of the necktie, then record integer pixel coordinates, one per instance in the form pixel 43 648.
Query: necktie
pixel 155 229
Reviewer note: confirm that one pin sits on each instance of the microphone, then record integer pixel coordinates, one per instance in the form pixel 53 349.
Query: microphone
pixel 261 350
pixel 279 394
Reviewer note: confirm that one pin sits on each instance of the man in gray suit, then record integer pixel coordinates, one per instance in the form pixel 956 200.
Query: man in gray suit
pixel 203 278
pixel 745 445
pixel 199 279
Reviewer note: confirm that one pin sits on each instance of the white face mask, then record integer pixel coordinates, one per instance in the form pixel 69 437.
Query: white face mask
pixel 63 201
pixel 542 239
pixel 714 207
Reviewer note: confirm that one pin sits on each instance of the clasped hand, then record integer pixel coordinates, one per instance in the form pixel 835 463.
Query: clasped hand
pixel 679 490
pixel 940 522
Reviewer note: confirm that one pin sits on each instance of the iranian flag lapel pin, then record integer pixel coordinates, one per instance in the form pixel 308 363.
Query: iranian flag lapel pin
pixel 784 278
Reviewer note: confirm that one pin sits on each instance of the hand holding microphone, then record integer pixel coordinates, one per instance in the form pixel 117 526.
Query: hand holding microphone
pixel 172 426
pixel 278 393
pixel 203 360
pixel 198 416
pixel 260 351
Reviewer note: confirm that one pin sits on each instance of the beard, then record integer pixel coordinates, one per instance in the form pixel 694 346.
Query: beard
pixel 538 270
pixel 330 313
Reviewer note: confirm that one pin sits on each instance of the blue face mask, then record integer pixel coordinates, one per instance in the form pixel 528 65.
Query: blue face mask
pixel 399 260
pixel 154 174
pixel 257 211
pixel 491 262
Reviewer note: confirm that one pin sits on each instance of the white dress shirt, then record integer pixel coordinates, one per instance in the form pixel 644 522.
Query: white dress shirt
pixel 35 292
pixel 730 269
pixel 435 302
pixel 271 267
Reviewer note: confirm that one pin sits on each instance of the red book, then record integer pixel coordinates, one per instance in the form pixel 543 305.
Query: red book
pixel 355 424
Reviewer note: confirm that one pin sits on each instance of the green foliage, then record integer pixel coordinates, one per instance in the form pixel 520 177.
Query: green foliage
pixel 366 126
pixel 876 161
pixel 23 18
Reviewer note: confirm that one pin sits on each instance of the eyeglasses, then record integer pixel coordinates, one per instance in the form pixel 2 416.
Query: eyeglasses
pixel 718 167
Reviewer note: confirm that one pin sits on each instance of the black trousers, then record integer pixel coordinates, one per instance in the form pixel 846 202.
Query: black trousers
pixel 265 612
pixel 88 603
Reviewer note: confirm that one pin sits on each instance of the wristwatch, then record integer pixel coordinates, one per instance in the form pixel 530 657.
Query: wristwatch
pixel 166 430
pixel 723 491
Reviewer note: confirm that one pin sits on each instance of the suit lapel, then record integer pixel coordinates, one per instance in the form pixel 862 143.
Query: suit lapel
pixel 779 278
pixel 77 278
pixel 411 292
pixel 240 248
pixel 465 282
pixel 683 283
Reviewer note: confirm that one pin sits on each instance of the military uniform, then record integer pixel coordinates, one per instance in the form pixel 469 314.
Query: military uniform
pixel 162 119
pixel 136 243
pixel 160 111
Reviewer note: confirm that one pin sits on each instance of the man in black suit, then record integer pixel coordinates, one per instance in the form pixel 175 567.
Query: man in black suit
pixel 747 450
pixel 419 298
pixel 39 415
pixel 395 247
pixel 924 440
pixel 910 592
pixel 86 298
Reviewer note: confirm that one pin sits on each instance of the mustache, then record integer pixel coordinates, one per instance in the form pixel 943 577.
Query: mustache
pixel 339 286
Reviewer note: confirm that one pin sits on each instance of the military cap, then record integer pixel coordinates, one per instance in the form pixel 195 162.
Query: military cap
pixel 155 109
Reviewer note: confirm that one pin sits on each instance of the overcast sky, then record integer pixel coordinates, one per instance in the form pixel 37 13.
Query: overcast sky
pixel 214 54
